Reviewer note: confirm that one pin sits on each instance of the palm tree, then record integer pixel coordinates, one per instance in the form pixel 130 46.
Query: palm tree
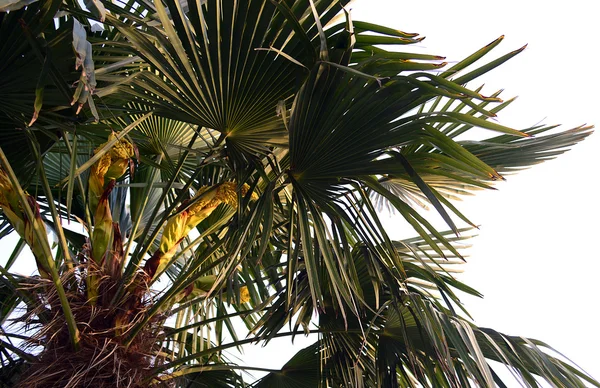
pixel 214 165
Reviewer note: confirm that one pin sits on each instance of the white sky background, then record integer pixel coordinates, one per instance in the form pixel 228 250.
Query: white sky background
pixel 535 260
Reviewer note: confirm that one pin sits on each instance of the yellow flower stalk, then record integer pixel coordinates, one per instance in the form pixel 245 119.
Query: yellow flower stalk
pixel 103 227
pixel 206 200
pixel 102 238
pixel 103 174
pixel 36 244
pixel 244 295
pixel 112 165
pixel 10 204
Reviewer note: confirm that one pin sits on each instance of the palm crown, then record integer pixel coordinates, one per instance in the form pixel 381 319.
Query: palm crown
pixel 220 162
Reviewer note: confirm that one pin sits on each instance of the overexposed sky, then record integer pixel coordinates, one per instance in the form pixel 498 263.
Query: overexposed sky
pixel 535 259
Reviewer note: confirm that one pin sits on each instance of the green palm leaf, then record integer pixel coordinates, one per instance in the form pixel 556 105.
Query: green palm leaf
pixel 211 71
pixel 301 371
